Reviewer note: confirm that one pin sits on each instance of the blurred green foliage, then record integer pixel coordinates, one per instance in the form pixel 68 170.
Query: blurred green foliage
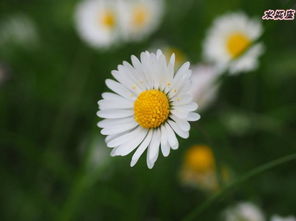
pixel 48 110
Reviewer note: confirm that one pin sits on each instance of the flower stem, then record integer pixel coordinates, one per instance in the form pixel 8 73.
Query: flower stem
pixel 258 170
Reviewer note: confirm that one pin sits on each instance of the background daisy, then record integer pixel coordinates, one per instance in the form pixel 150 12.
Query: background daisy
pixel 199 169
pixel 97 22
pixel 149 105
pixel 246 211
pixel 230 43
pixel 139 18
pixel 279 218
pixel 204 84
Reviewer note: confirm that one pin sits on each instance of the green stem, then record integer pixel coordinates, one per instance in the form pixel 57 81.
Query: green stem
pixel 258 170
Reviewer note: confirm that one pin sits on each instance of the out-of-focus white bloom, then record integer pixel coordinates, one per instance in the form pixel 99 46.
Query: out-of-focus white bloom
pixel 204 84
pixel 98 155
pixel 149 105
pixel 236 122
pixel 95 156
pixel 18 29
pixel 97 22
pixel 279 218
pixel 244 211
pixel 230 43
pixel 139 18
pixel 102 23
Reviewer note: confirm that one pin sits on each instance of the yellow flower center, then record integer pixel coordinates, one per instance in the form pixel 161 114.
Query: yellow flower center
pixel 237 43
pixel 107 19
pixel 140 16
pixel 151 108
pixel 200 158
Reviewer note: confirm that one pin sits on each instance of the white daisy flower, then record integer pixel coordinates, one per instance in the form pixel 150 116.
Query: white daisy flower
pixel 97 22
pixel 149 104
pixel 230 43
pixel 139 18
pixel 204 84
pixel 245 211
pixel 279 218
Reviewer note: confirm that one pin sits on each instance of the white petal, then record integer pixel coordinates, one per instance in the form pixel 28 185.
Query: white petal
pixel 178 130
pixel 129 146
pixel 135 74
pixel 113 152
pixel 159 53
pixel 182 114
pixel 165 147
pixel 119 89
pixel 183 69
pixel 140 150
pixel 115 104
pixel 183 124
pixel 115 113
pixel 114 136
pixel 107 123
pixel 153 149
pixel 171 136
pixel 188 107
pixel 113 96
pixel 192 116
pixel 119 128
pixel 171 66
pixel 125 137
pixel 181 77
pixel 180 88
pixel 139 74
pixel 183 99
pixel 127 79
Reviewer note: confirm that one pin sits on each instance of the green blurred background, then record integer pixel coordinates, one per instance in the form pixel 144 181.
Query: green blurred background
pixel 48 119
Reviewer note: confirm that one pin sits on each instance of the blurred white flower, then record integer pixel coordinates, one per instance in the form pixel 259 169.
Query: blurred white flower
pixel 139 18
pixel 204 84
pixel 150 105
pixel 18 29
pixel 279 218
pixel 236 122
pixel 97 22
pixel 244 211
pixel 230 43
pixel 98 155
